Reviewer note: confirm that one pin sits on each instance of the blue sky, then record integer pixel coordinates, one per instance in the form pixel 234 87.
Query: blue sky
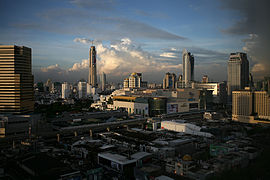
pixel 152 32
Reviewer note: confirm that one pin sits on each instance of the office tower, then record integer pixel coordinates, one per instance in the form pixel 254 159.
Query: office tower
pixel 65 90
pixel 238 72
pixel 82 89
pixel 92 78
pixel 205 79
pixel 16 80
pixel 103 81
pixel 169 81
pixel 188 67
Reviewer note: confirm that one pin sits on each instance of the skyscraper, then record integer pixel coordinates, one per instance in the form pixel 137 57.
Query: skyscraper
pixel 16 79
pixel 92 78
pixel 188 67
pixel 169 81
pixel 82 89
pixel 103 81
pixel 238 72
pixel 65 90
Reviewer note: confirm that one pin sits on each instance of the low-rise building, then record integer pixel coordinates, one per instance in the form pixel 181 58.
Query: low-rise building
pixel 133 105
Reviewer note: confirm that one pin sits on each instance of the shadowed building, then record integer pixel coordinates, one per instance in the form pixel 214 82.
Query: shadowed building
pixel 238 72
pixel 16 80
pixel 169 81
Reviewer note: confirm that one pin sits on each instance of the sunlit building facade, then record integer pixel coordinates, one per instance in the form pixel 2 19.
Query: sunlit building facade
pixel 188 67
pixel 16 80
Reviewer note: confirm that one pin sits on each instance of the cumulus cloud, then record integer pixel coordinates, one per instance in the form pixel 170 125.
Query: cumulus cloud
pixel 255 24
pixel 55 68
pixel 117 60
pixel 124 56
pixel 79 66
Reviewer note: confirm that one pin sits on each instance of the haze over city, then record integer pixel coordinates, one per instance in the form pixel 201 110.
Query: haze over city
pixel 137 36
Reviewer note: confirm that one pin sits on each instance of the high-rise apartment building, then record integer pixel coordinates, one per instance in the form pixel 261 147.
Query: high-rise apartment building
pixel 238 72
pixel 126 83
pixel 16 80
pixel 92 78
pixel 169 81
pixel 134 81
pixel 82 89
pixel 103 81
pixel 188 67
pixel 65 90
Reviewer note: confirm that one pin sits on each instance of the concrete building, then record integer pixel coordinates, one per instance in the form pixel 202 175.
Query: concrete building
pixel 16 79
pixel 188 67
pixel 126 83
pixel 92 78
pixel 135 81
pixel 169 81
pixel 238 72
pixel 103 81
pixel 184 127
pixel 262 104
pixel 133 105
pixel 251 106
pixel 219 90
pixel 82 89
pixel 205 79
pixel 16 125
pixel 65 90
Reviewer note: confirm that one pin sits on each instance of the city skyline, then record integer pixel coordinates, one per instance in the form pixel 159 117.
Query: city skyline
pixel 146 38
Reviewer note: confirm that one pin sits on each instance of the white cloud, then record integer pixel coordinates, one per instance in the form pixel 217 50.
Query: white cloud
pixel 83 40
pixel 51 68
pixel 118 60
pixel 80 66
pixel 168 55
pixel 123 57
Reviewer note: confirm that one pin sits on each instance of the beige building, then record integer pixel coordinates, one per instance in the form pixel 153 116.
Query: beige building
pixel 262 104
pixel 134 81
pixel 16 79
pixel 251 107
pixel 133 105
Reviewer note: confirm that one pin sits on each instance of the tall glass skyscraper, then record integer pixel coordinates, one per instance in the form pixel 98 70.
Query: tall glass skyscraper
pixel 16 80
pixel 188 67
pixel 238 72
pixel 92 78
